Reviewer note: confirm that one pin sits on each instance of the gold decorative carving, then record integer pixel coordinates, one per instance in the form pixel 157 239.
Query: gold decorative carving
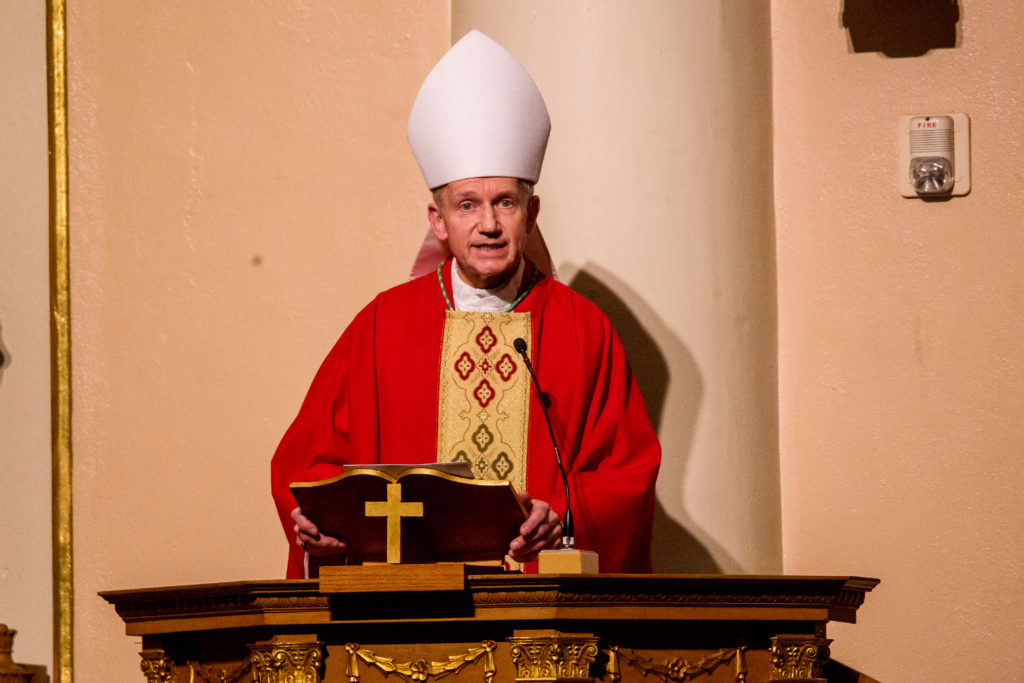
pixel 10 672
pixel 211 674
pixel 553 657
pixel 420 670
pixel 798 658
pixel 287 662
pixel 157 666
pixel 675 669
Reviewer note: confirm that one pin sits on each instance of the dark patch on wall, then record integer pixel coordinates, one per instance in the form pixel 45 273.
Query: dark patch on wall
pixel 5 356
pixel 901 28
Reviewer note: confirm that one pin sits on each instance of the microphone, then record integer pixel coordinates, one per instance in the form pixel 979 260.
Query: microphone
pixel 568 538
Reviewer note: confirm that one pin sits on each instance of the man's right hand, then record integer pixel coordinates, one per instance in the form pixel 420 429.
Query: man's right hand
pixel 309 538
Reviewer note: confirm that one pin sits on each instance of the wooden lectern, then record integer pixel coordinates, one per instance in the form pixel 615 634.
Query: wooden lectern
pixel 422 622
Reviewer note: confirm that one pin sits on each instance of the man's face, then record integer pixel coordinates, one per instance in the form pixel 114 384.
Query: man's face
pixel 485 222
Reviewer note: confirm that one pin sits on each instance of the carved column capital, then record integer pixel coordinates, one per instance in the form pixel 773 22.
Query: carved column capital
pixel 285 662
pixel 551 656
pixel 10 672
pixel 798 658
pixel 157 666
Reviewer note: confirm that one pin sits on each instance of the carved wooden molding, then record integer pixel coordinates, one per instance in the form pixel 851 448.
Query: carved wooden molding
pixel 217 674
pixel 553 657
pixel 525 598
pixel 797 658
pixel 157 666
pixel 284 662
pixel 836 597
pixel 842 603
pixel 420 670
pixel 675 669
pixel 221 600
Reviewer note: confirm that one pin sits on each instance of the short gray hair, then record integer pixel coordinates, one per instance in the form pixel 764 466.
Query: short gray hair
pixel 525 190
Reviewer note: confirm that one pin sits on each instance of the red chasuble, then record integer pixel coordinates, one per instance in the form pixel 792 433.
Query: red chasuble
pixel 375 399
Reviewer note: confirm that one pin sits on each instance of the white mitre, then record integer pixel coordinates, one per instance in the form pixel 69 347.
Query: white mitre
pixel 478 114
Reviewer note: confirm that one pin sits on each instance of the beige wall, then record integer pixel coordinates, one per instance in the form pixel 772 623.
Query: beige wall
pixel 901 381
pixel 210 216
pixel 233 204
pixel 240 186
pixel 656 203
pixel 228 219
pixel 25 559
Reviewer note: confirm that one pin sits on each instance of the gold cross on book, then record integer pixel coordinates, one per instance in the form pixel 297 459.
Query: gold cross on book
pixel 394 509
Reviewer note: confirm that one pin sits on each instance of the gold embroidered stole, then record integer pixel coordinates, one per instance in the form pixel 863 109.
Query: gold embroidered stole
pixel 484 397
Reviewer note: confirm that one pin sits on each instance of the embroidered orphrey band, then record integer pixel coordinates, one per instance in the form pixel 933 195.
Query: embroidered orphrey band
pixel 484 397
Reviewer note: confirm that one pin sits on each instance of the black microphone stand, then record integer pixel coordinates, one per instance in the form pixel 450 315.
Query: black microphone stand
pixel 568 535
pixel 567 560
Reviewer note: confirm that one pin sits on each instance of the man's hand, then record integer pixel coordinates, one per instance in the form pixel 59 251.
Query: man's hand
pixel 541 530
pixel 309 538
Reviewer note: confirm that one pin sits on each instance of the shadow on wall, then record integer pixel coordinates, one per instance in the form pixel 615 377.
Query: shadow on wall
pixel 5 357
pixel 655 355
pixel 901 28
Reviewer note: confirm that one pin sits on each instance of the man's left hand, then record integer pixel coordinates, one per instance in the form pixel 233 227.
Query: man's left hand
pixel 541 530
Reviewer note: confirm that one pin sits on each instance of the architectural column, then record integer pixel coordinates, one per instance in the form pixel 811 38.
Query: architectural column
pixel 656 203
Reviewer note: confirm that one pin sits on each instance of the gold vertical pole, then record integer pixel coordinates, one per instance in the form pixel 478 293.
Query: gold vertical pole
pixel 60 340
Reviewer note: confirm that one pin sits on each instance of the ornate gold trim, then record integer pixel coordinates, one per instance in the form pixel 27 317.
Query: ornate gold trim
pixel 483 407
pixel 212 674
pixel 798 658
pixel 676 669
pixel 60 341
pixel 420 670
pixel 553 657
pixel 157 666
pixel 287 662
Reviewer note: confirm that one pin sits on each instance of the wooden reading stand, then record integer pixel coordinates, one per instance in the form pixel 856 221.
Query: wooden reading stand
pixel 413 514
pixel 414 623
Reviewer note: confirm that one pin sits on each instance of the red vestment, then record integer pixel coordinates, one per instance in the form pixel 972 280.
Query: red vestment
pixel 374 399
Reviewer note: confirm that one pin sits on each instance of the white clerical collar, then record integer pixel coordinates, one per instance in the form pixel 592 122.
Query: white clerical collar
pixel 468 298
